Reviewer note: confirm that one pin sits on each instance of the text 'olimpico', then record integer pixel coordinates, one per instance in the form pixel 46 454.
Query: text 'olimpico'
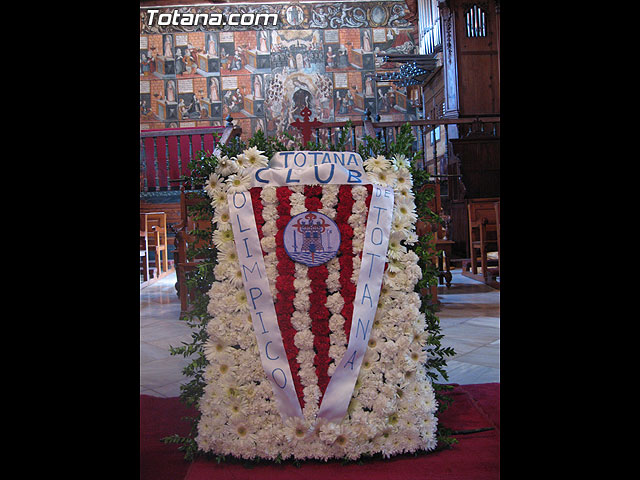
pixel 212 19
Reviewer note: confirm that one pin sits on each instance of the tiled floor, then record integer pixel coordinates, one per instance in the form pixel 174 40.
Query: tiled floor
pixel 469 320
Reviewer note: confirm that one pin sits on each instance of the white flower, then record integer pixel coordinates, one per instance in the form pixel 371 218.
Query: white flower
pixel 295 429
pixel 403 179
pixel 400 225
pixel 416 355
pixel 411 238
pixel 238 182
pixel 377 164
pixel 222 238
pixel 222 218
pixel 401 161
pixel 254 158
pixel 407 211
pixel 213 184
pixel 241 162
pixel 226 166
pixel 383 177
pixel 219 196
pixel 228 257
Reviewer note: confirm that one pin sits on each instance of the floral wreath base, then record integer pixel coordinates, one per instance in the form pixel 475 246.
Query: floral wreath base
pixel 393 406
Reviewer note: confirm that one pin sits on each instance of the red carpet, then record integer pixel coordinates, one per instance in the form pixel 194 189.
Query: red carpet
pixel 476 456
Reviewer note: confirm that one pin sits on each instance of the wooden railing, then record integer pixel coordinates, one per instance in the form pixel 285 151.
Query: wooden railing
pixel 425 131
pixel 165 154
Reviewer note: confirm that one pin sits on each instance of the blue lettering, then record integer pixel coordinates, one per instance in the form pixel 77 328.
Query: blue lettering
pixel 243 197
pixel 304 158
pixel 258 178
pixel 351 360
pixel 381 235
pixel 328 179
pixel 379 209
pixel 354 176
pixel 266 351
pixel 364 295
pixel 253 299
pixel 315 156
pixel 286 159
pixel 372 260
pixel 352 159
pixel 264 330
pixel 240 225
pixel 255 265
pixel 247 247
pixel 291 180
pixel 273 375
pixel 338 157
pixel 364 329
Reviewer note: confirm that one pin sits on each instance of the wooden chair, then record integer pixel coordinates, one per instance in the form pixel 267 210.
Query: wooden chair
pixel 183 240
pixel 144 256
pixel 482 232
pixel 154 224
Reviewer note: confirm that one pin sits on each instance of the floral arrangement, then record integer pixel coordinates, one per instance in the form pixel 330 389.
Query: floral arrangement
pixel 393 407
pixel 396 398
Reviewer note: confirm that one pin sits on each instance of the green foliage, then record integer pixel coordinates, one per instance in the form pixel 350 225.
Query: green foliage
pixel 201 279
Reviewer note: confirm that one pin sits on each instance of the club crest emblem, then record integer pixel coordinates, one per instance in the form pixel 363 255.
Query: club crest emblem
pixel 311 238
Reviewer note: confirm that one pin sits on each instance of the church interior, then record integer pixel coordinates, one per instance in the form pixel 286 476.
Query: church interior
pixel 365 67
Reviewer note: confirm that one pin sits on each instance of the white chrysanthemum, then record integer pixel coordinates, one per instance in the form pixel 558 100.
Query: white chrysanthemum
pixel 238 182
pixel 226 166
pixel 213 184
pixel 235 277
pixel 416 355
pixel 404 195
pixel 408 211
pixel 295 429
pixel 385 178
pixel 268 195
pixel 411 238
pixel 222 238
pixel 222 219
pixel 254 158
pixel 401 226
pixel 228 257
pixel 241 162
pixel 403 179
pixel 396 249
pixel 223 364
pixel 401 161
pixel 377 164
pixel 219 196
pixel 215 346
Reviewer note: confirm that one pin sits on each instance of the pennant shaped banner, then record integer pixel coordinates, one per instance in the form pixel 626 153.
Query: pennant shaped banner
pixel 313 309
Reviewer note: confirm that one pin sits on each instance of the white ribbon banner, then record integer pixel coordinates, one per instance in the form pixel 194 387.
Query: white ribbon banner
pixel 311 167
pixel 272 353
pixel 261 307
pixel 365 304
